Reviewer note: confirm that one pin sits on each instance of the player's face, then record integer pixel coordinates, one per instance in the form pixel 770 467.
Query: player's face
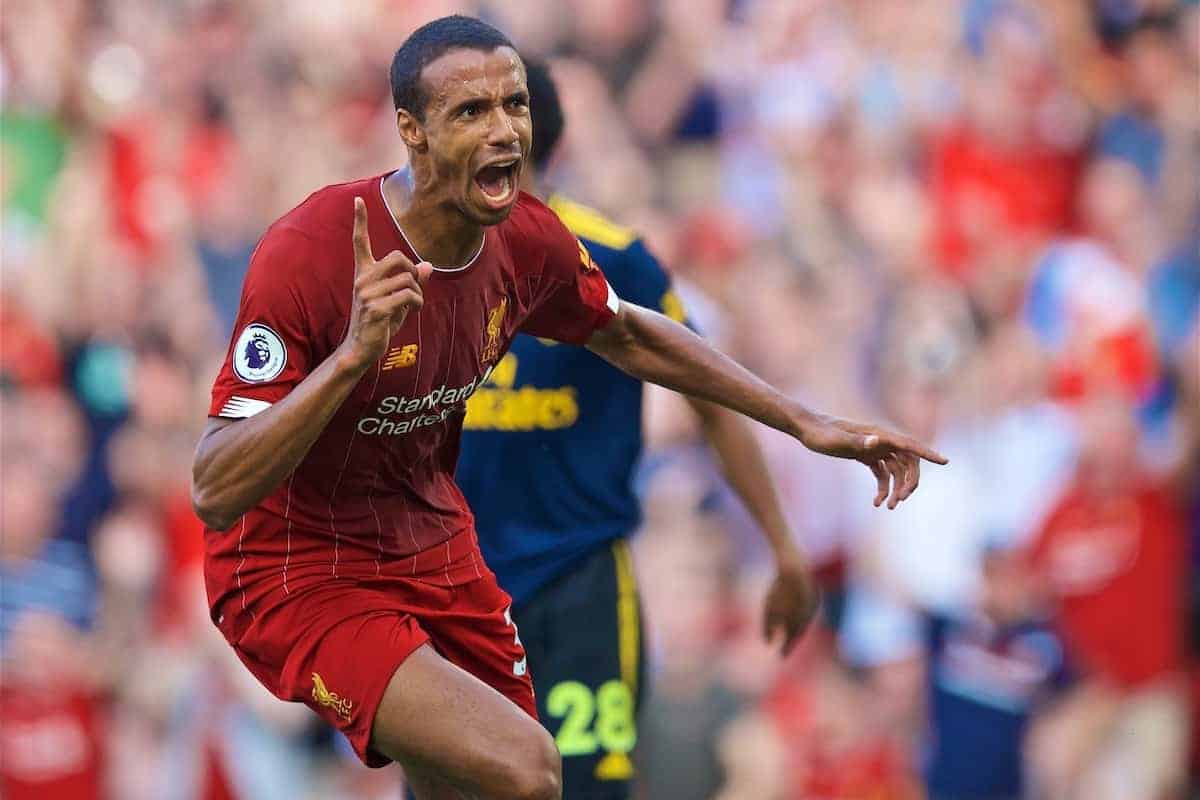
pixel 478 130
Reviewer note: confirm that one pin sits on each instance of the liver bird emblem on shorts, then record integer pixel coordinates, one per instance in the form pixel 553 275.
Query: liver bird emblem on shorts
pixel 495 325
pixel 329 699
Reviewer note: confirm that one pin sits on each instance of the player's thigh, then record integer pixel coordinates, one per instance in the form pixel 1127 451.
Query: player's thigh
pixel 583 636
pixel 443 721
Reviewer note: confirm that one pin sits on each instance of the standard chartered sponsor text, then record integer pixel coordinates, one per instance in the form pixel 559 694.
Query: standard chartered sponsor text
pixel 394 414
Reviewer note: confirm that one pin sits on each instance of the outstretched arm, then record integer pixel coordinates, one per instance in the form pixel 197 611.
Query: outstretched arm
pixel 653 348
pixel 793 598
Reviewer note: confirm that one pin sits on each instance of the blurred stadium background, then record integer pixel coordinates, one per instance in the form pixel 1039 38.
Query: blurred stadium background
pixel 975 218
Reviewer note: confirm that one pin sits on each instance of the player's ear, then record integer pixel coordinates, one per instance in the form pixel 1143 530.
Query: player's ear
pixel 411 130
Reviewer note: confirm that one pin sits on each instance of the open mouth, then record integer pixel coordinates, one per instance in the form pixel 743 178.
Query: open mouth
pixel 498 182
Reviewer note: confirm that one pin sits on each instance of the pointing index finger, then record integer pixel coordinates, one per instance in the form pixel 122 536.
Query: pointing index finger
pixel 362 241
pixel 928 454
pixel 916 448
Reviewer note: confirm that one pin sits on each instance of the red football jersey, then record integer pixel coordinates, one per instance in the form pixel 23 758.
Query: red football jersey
pixel 378 487
pixel 1117 567
pixel 51 745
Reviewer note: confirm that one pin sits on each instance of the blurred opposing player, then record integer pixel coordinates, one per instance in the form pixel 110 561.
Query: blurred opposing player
pixel 549 448
pixel 341 560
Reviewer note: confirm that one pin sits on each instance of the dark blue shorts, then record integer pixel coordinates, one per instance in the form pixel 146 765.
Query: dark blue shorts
pixel 583 637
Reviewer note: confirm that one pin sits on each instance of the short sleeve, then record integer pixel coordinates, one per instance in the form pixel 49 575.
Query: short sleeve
pixel 573 298
pixel 270 349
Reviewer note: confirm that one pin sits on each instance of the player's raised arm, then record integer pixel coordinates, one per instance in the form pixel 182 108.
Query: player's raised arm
pixel 653 348
pixel 239 462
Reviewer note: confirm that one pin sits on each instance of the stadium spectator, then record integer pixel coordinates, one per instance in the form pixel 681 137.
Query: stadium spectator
pixel 1112 556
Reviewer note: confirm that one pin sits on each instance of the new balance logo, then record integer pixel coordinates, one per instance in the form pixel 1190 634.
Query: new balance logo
pixel 404 356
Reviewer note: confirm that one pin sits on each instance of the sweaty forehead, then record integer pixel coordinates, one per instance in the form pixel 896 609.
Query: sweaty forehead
pixel 462 72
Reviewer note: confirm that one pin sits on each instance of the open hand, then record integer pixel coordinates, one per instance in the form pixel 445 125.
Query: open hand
pixel 384 292
pixel 893 458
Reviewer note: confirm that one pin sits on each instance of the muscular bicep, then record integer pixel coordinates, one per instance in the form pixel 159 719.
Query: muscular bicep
pixel 204 448
pixel 618 335
pixel 651 346
pixel 217 424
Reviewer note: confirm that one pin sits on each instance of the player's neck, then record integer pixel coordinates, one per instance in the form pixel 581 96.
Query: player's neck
pixel 438 234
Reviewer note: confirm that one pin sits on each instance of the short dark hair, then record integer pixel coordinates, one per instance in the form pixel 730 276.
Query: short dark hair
pixel 429 43
pixel 545 111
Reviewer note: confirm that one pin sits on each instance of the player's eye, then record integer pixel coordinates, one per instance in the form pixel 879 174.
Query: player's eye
pixel 518 102
pixel 471 110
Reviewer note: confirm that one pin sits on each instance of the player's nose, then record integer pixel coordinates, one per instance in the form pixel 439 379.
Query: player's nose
pixel 502 132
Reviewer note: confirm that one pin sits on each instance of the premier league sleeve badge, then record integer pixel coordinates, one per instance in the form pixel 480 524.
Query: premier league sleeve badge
pixel 259 355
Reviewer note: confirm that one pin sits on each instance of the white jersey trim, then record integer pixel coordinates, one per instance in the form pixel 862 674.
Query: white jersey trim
pixel 404 236
pixel 613 302
pixel 243 407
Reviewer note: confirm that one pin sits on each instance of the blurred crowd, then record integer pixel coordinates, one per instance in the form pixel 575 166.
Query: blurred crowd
pixel 976 219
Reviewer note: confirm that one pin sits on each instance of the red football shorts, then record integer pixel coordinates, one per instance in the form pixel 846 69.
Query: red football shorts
pixel 335 647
